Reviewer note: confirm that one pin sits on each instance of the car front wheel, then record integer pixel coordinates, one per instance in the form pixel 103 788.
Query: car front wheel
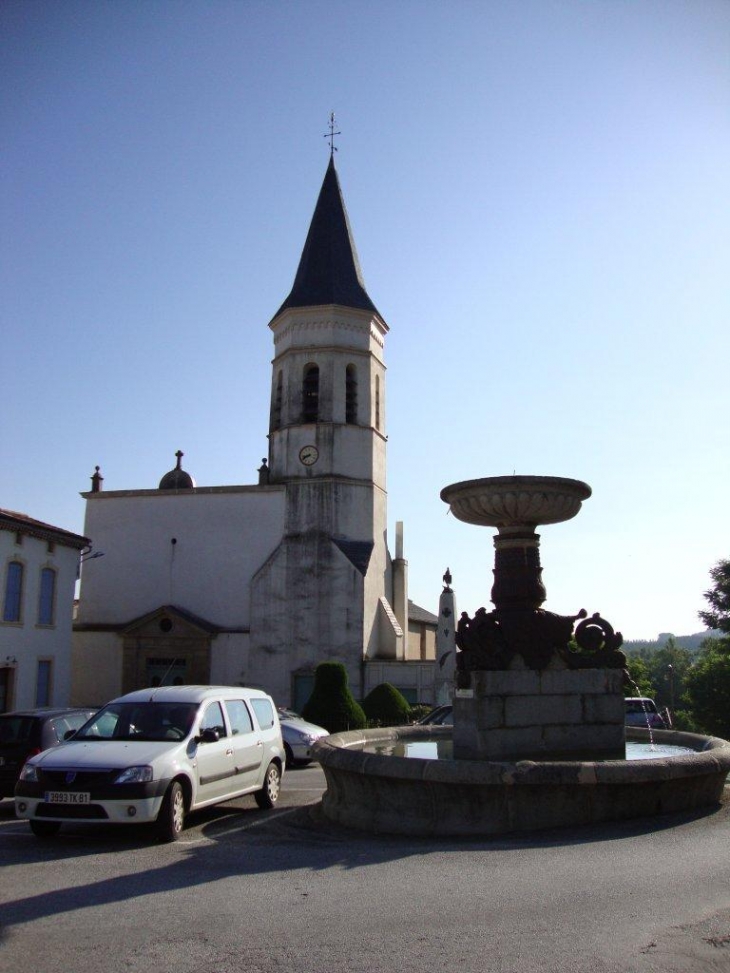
pixel 269 793
pixel 171 818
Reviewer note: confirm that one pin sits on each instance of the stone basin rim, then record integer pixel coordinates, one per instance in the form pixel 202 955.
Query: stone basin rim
pixel 341 752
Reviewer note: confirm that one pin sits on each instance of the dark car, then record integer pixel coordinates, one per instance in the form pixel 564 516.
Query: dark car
pixel 25 733
pixel 440 716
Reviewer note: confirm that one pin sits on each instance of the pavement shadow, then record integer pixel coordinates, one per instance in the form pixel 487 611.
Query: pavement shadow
pixel 237 842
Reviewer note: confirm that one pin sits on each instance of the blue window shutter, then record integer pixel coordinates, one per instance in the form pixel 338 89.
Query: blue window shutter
pixel 43 683
pixel 13 592
pixel 48 597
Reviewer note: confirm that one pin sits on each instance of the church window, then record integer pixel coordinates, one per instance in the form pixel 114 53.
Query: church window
pixel 377 401
pixel 351 394
pixel 13 592
pixel 47 599
pixel 310 394
pixel 278 396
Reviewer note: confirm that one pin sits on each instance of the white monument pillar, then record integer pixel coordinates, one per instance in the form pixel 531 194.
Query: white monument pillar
pixel 400 583
pixel 445 644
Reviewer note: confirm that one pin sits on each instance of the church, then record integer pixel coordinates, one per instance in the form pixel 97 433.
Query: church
pixel 256 584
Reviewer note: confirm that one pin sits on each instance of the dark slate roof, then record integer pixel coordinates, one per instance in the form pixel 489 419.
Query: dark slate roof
pixel 418 614
pixel 329 269
pixel 358 552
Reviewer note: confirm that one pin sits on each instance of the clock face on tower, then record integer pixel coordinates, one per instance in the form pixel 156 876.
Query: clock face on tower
pixel 308 455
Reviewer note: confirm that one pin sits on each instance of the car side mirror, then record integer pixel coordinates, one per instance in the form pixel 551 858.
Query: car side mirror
pixel 209 735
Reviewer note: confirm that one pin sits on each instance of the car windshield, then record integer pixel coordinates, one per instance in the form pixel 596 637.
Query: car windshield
pixel 140 721
pixel 640 706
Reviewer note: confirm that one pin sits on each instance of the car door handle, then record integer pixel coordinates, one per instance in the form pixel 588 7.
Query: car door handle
pixel 259 743
pixel 229 753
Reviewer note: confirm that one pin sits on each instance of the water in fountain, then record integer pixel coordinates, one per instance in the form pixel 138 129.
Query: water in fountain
pixel 443 750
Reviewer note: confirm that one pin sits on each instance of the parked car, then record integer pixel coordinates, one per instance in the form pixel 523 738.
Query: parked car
pixel 153 756
pixel 299 735
pixel 642 711
pixel 440 716
pixel 24 733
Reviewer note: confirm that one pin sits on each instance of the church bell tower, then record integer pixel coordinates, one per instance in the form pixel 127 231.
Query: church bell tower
pixel 324 592
pixel 327 417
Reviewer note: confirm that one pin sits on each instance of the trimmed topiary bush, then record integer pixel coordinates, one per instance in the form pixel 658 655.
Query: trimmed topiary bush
pixel 331 704
pixel 386 706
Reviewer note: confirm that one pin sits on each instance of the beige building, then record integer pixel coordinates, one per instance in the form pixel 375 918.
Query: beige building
pixel 38 568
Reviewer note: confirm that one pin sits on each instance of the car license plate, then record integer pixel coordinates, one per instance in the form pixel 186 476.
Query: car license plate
pixel 68 797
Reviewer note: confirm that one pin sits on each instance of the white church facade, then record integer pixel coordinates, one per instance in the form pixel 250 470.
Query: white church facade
pixel 257 584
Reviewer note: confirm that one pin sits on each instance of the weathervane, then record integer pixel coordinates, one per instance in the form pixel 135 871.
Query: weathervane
pixel 331 134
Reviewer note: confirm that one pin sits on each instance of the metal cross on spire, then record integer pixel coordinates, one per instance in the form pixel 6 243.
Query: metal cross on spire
pixel 331 134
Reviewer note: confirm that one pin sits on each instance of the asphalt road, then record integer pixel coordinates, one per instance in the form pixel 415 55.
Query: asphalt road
pixel 284 892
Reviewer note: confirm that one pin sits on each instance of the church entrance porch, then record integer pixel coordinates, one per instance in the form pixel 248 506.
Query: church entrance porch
pixel 165 648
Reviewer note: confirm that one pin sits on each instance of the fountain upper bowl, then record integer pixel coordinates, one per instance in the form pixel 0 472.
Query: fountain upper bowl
pixel 509 502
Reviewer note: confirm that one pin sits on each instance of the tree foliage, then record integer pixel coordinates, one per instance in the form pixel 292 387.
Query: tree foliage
pixel 638 670
pixel 666 669
pixel 718 598
pixel 331 704
pixel 387 706
pixel 708 688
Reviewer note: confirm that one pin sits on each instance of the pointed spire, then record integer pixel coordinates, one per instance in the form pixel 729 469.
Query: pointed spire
pixel 329 269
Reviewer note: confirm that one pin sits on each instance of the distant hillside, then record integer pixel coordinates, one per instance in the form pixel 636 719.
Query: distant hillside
pixel 689 642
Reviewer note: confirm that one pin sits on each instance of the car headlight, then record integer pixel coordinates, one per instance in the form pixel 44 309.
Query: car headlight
pixel 134 775
pixel 29 772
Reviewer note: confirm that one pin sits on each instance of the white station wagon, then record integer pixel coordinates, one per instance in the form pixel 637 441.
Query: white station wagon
pixel 155 754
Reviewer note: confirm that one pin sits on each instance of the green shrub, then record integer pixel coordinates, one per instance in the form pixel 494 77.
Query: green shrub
pixel 331 704
pixel 386 706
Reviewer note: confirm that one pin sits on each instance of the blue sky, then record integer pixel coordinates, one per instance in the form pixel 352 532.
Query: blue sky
pixel 539 196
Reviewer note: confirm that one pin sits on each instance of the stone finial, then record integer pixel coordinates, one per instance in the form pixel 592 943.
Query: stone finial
pixel 96 480
pixel 177 479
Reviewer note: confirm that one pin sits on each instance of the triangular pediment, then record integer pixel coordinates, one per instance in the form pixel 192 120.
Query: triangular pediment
pixel 171 622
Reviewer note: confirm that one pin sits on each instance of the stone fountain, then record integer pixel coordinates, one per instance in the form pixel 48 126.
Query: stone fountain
pixel 538 736
pixel 523 688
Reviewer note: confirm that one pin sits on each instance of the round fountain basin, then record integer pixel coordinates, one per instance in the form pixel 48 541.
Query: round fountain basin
pixel 511 502
pixel 402 795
